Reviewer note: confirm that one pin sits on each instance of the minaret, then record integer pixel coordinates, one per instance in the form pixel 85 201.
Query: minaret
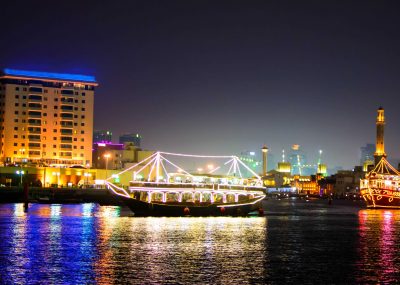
pixel 264 156
pixel 380 144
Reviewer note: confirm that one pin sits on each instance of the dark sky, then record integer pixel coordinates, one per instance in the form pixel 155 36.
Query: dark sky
pixel 220 77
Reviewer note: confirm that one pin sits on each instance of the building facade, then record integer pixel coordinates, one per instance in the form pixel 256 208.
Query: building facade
pixel 102 136
pixel 134 139
pixel 367 154
pixel 46 118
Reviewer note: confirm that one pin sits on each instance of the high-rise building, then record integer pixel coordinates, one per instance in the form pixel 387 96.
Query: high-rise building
pixel 134 139
pixel 102 136
pixel 367 154
pixel 252 161
pixel 298 160
pixel 46 118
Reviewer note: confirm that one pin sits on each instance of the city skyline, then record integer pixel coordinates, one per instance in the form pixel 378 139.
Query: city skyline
pixel 220 78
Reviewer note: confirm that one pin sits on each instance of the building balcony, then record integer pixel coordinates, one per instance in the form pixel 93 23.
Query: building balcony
pixel 34 138
pixel 34 89
pixel 35 147
pixel 67 108
pixel 66 146
pixel 35 108
pixel 34 122
pixel 65 154
pixel 66 124
pixel 34 114
pixel 66 131
pixel 35 98
pixel 34 153
pixel 66 139
pixel 67 100
pixel 67 116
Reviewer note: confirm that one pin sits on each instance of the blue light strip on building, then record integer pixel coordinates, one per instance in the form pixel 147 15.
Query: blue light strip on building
pixel 49 75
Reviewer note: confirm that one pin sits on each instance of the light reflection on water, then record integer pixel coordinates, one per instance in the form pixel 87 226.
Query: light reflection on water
pixel 296 243
pixel 378 246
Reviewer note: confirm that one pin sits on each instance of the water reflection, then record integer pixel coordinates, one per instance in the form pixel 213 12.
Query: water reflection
pixel 184 250
pixel 82 244
pixel 86 244
pixel 378 255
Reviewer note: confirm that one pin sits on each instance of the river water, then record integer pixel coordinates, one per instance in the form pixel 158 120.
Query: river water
pixel 297 242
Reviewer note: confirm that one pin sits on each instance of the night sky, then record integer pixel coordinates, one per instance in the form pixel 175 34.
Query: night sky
pixel 221 77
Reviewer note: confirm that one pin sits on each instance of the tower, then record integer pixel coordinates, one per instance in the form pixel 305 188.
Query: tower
pixel 264 150
pixel 380 145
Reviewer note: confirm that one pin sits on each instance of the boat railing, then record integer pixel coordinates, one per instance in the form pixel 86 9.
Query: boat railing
pixel 214 186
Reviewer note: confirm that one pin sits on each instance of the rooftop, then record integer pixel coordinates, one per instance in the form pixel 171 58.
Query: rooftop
pixel 48 75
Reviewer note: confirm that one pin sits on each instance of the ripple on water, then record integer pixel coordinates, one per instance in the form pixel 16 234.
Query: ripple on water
pixel 294 243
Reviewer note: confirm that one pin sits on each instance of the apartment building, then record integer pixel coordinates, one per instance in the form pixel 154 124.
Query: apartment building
pixel 46 118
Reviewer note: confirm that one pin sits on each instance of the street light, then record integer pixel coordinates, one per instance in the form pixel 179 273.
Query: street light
pixel 20 173
pixel 58 176
pixel 107 156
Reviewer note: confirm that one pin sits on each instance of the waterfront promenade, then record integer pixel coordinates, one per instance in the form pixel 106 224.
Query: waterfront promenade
pixel 59 195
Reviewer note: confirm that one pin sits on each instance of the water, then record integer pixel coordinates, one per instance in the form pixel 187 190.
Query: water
pixel 297 242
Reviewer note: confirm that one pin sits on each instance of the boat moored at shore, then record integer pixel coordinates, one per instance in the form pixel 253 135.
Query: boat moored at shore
pixel 183 193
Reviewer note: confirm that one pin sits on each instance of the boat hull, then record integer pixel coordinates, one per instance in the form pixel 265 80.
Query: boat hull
pixel 141 208
pixel 381 198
